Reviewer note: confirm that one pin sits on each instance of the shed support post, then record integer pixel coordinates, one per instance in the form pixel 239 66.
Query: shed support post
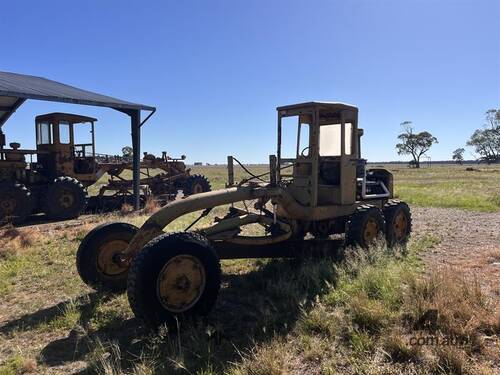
pixel 135 117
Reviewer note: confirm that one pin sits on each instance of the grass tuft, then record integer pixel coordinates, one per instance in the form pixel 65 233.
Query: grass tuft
pixel 463 311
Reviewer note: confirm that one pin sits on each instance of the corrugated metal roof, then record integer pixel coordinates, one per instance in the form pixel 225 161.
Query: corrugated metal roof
pixel 15 88
pixel 332 105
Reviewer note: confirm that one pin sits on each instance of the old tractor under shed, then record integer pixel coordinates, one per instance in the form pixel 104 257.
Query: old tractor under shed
pixel 324 189
pixel 56 182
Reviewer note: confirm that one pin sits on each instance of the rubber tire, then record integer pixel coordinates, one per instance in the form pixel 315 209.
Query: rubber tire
pixel 390 210
pixel 24 202
pixel 51 206
pixel 141 287
pixel 357 222
pixel 194 180
pixel 88 252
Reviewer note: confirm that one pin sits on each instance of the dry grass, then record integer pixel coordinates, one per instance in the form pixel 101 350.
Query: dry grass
pixel 15 239
pixel 463 310
pixel 126 209
pixel 370 319
pixel 494 256
pixel 151 206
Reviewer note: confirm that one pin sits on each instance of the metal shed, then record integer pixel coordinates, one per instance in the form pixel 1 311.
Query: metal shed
pixel 16 88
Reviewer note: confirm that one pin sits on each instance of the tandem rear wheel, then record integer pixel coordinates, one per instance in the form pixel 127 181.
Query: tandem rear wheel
pixel 365 226
pixel 398 222
pixel 16 203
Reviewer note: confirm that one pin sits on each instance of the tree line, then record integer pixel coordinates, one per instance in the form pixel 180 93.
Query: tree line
pixel 485 141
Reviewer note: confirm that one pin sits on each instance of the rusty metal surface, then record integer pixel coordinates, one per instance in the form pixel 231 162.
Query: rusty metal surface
pixel 159 220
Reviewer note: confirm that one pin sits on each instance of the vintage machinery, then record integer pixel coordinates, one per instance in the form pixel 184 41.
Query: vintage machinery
pixel 323 189
pixel 56 182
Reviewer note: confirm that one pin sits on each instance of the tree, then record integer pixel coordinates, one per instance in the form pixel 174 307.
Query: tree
pixel 414 144
pixel 486 141
pixel 458 155
pixel 127 152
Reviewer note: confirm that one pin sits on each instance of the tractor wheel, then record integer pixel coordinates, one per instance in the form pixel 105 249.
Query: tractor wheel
pixel 66 198
pixel 397 222
pixel 365 226
pixel 175 276
pixel 95 258
pixel 16 203
pixel 196 184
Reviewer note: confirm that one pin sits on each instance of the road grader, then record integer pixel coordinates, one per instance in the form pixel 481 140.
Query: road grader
pixel 56 182
pixel 324 189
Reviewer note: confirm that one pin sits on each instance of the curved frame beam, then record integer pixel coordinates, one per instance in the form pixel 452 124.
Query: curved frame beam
pixel 153 227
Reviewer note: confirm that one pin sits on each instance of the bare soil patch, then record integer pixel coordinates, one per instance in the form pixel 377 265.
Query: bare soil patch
pixel 469 242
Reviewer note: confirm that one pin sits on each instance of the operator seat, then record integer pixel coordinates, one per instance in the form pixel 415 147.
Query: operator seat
pixel 329 171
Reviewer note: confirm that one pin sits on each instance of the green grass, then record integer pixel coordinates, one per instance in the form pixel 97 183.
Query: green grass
pixel 443 185
pixel 12 365
pixel 449 186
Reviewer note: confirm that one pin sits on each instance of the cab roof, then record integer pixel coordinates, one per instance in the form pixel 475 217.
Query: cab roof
pixel 69 117
pixel 332 106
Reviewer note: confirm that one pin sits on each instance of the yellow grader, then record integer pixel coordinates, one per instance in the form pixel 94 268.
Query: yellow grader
pixel 324 189
pixel 56 183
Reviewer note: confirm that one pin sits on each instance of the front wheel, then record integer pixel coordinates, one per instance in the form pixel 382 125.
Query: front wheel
pixel 66 199
pixel 96 257
pixel 176 275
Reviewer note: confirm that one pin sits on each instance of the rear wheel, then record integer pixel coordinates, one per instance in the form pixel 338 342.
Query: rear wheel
pixel 66 198
pixel 397 222
pixel 196 184
pixel 16 203
pixel 96 257
pixel 365 226
pixel 177 275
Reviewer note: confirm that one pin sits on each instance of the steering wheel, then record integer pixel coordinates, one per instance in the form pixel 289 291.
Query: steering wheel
pixel 304 150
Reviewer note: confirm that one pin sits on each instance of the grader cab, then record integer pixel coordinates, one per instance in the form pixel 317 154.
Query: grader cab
pixel 321 188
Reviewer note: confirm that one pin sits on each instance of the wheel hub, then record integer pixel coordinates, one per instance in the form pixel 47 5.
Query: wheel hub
pixel 66 199
pixel 197 189
pixel 181 283
pixel 371 231
pixel 8 205
pixel 400 225
pixel 108 254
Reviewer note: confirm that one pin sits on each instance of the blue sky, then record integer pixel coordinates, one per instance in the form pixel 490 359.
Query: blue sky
pixel 216 70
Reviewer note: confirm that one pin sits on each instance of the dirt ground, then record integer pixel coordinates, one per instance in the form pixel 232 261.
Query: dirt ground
pixel 469 242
